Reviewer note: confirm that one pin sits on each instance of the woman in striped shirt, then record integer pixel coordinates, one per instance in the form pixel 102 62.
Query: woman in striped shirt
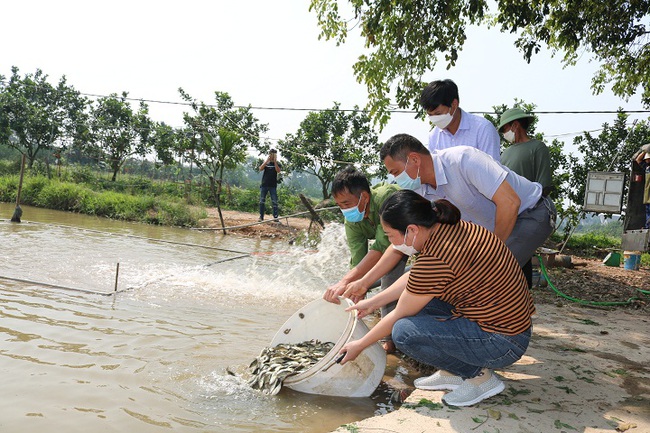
pixel 464 308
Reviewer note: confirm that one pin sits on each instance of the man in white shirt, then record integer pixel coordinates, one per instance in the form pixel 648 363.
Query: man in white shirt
pixel 487 193
pixel 453 126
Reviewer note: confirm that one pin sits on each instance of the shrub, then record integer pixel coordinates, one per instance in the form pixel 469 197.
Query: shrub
pixel 61 196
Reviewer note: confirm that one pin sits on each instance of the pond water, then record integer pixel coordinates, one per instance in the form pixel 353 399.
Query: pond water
pixel 153 357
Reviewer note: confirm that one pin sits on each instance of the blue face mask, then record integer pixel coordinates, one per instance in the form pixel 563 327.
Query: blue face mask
pixel 407 182
pixel 352 214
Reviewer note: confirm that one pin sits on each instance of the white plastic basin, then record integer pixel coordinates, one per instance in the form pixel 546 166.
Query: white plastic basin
pixel 328 322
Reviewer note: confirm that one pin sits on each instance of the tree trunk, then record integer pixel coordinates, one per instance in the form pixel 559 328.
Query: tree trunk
pixel 215 188
pixel 326 193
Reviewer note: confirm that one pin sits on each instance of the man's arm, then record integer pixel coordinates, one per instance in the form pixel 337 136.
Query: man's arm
pixel 333 292
pixel 507 202
pixel 639 157
pixel 408 305
pixel 384 265
pixel 264 163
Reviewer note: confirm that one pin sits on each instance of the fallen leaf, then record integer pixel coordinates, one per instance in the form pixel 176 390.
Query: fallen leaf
pixel 625 426
pixel 494 414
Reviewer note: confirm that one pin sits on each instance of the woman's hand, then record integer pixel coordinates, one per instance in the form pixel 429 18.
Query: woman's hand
pixel 351 350
pixel 363 308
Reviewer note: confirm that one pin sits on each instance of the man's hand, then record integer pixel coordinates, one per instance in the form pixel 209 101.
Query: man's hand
pixel 334 291
pixel 355 291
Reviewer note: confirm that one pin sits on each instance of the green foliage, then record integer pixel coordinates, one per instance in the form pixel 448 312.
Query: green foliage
pixel 217 137
pixel 38 115
pixel 404 40
pixel 134 198
pixel 589 244
pixel 9 167
pixel 613 33
pixel 328 140
pixel 423 402
pixel 118 132
pixel 53 194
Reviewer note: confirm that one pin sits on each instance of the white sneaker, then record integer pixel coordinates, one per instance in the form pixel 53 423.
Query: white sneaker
pixel 438 381
pixel 468 394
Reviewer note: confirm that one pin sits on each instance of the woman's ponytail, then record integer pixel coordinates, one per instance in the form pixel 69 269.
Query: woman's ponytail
pixel 445 211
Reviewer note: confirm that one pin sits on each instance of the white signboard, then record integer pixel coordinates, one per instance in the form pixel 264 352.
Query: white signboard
pixel 604 192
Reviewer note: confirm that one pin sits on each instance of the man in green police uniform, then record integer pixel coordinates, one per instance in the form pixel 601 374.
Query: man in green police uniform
pixel 360 205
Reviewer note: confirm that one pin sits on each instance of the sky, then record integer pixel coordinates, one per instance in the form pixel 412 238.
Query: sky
pixel 267 54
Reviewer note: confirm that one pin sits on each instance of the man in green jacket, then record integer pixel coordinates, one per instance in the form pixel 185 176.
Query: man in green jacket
pixel 360 205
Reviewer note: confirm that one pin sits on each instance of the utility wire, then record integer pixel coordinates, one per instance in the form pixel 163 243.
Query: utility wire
pixel 155 101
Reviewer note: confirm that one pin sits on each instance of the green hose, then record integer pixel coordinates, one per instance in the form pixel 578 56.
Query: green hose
pixel 582 301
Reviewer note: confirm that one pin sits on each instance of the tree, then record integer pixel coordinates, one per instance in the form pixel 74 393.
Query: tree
pixel 217 137
pixel 164 139
pixel 329 139
pixel 404 39
pixel 118 131
pixel 41 116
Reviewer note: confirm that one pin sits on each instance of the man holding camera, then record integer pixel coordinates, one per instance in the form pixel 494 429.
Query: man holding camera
pixel 270 169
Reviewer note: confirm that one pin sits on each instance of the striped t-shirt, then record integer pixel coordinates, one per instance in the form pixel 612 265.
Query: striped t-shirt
pixel 468 267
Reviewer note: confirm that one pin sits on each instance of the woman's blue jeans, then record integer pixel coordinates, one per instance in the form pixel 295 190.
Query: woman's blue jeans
pixel 457 345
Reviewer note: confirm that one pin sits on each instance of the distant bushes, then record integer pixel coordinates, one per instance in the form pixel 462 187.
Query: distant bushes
pixel 589 241
pixel 53 194
pixel 593 244
pixel 134 198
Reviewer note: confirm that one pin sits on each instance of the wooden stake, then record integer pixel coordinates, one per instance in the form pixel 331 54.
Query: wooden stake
pixel 19 212
pixel 117 273
pixel 314 214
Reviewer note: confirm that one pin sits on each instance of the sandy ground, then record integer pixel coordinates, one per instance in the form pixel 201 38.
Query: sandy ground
pixel 586 370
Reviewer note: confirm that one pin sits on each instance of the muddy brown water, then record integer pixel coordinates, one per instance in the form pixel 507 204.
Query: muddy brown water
pixel 153 356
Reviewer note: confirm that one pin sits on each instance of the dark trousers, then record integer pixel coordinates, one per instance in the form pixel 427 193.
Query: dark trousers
pixel 274 200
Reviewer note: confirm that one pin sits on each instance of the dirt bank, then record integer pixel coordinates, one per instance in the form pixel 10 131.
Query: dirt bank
pixel 283 228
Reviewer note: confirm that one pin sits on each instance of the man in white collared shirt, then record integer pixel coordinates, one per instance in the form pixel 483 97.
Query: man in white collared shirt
pixel 487 193
pixel 453 126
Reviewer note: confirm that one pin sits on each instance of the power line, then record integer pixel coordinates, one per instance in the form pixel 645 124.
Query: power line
pixel 402 111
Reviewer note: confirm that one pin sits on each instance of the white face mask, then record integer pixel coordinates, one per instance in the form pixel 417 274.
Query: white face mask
pixel 509 136
pixel 408 250
pixel 442 120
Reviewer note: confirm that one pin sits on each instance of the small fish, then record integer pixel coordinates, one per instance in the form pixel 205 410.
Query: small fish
pixel 274 364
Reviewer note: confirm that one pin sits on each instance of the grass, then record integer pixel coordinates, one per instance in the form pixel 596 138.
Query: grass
pixel 54 194
pixel 592 245
pixel 133 198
